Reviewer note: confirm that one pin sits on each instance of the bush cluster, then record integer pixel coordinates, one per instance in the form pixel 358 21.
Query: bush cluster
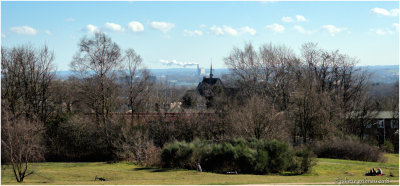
pixel 75 138
pixel 78 138
pixel 244 156
pixel 388 147
pixel 351 149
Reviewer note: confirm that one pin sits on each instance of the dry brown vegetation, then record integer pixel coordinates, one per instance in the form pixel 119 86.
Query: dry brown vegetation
pixel 296 99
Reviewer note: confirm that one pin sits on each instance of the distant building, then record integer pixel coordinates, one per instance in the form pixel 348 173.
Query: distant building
pixel 206 90
pixel 202 71
pixel 380 126
pixel 198 70
pixel 205 87
pixel 384 125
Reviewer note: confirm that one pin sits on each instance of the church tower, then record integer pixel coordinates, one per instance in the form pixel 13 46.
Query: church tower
pixel 211 74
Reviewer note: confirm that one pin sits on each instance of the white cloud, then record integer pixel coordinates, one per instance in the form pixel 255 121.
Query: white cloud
pixel 382 32
pixel 332 29
pixel 162 26
pixel 300 18
pixel 302 30
pixel 3 36
pixel 248 30
pixel 275 27
pixel 47 32
pixel 229 30
pixel 396 26
pixel 380 11
pixel 24 30
pixel 384 12
pixel 135 26
pixel 193 33
pixel 178 63
pixel 114 27
pixel 287 19
pixel 217 30
pixel 203 26
pixel 91 29
pixel 70 19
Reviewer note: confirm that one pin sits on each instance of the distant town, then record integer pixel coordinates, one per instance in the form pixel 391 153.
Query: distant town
pixel 191 77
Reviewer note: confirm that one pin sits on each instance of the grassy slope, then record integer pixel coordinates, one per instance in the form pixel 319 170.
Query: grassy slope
pixel 326 170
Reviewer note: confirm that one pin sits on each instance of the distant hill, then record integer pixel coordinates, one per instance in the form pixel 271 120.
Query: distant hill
pixel 63 74
pixel 188 76
pixel 383 74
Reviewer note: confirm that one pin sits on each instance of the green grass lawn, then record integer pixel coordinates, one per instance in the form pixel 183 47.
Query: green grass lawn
pixel 325 172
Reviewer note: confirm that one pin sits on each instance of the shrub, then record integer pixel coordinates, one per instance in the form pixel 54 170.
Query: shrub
pixel 220 158
pixel 21 144
pixel 132 143
pixel 273 156
pixel 303 161
pixel 279 156
pixel 152 158
pixel 76 138
pixel 177 155
pixel 227 157
pixel 388 147
pixel 346 149
pixel 253 156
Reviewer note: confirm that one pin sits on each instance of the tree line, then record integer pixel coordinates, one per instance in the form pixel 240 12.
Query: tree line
pixel 296 99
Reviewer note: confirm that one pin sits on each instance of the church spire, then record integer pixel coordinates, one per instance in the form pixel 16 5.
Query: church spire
pixel 211 74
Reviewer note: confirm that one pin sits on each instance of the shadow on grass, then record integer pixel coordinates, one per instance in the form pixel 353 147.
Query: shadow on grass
pixel 143 168
pixel 289 174
pixel 165 170
pixel 155 169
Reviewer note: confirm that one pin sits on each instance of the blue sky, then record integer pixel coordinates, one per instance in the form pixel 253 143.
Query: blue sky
pixel 198 32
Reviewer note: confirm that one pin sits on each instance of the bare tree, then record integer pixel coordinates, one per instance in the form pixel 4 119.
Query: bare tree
pixel 65 96
pixel 318 90
pixel 334 74
pixel 309 111
pixel 279 66
pixel 26 77
pixel 137 80
pixel 268 72
pixel 245 67
pixel 21 144
pixel 161 95
pixel 258 119
pixel 97 63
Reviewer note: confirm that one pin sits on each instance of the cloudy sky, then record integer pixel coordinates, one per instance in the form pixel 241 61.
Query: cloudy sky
pixel 173 34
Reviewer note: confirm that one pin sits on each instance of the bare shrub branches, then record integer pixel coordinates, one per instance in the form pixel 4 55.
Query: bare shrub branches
pixel 26 76
pixel 21 142
pixel 317 90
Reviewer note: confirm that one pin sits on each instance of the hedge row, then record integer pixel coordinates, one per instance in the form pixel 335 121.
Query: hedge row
pixel 351 149
pixel 251 156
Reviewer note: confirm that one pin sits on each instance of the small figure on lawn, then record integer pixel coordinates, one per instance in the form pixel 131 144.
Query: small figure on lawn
pixel 379 172
pixel 370 173
pixel 374 172
pixel 99 178
pixel 199 167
